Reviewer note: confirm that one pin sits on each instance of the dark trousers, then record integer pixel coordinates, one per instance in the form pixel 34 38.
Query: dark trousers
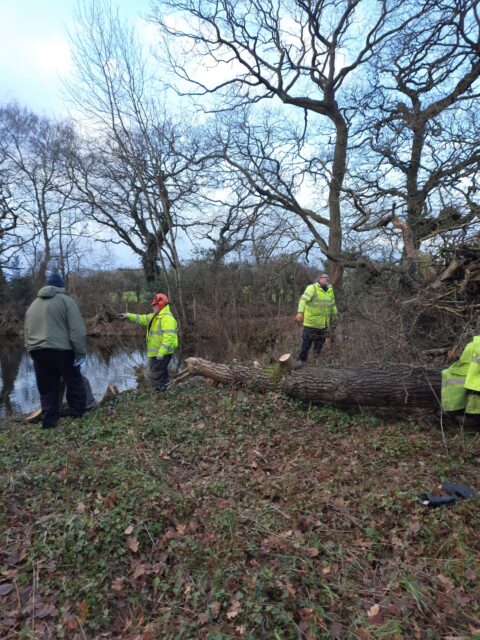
pixel 50 366
pixel 309 335
pixel 159 371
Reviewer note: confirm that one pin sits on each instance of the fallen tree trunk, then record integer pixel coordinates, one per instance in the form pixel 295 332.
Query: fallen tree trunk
pixel 397 386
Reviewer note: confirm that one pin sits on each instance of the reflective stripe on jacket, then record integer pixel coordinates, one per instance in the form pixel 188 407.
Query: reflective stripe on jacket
pixel 461 377
pixel 318 306
pixel 162 332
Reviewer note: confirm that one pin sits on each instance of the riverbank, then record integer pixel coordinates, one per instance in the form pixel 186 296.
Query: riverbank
pixel 206 513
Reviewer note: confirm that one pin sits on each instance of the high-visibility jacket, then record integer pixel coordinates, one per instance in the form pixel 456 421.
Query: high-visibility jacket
pixel 472 381
pixel 318 306
pixel 162 332
pixel 462 379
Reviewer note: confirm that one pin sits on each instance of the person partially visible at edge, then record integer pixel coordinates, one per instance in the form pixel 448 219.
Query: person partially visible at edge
pixel 162 338
pixel 316 312
pixel 461 381
pixel 56 339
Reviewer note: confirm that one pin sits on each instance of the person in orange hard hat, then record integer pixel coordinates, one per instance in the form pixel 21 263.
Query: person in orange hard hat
pixel 162 338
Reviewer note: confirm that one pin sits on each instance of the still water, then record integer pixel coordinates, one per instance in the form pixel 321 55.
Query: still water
pixel 107 363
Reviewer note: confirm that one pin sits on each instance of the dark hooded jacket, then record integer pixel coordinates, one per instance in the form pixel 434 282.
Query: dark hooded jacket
pixel 53 321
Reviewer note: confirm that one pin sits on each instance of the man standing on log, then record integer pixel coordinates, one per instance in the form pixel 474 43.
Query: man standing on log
pixel 162 338
pixel 316 311
pixel 55 337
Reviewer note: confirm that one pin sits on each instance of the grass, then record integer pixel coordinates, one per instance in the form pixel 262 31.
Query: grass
pixel 212 514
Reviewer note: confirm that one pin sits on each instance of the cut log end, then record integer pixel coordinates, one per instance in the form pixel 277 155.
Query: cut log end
pixel 288 361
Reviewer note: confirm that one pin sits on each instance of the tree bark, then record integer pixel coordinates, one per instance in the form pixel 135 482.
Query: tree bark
pixel 397 386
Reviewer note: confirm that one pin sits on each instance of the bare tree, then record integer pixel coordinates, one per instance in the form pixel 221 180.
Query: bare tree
pixel 301 53
pixel 8 220
pixel 35 188
pixel 140 167
pixel 417 164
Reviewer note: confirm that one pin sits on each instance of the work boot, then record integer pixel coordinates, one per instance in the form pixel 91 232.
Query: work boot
pixel 35 416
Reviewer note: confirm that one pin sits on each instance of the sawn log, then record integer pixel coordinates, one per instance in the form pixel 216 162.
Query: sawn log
pixel 375 386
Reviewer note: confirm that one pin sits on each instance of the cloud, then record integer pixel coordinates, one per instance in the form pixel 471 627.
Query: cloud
pixel 52 56
pixel 34 54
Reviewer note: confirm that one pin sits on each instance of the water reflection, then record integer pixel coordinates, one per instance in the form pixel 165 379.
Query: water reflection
pixel 107 363
pixel 10 362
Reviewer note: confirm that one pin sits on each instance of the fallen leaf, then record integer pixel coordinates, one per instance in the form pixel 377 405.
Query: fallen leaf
pixel 445 582
pixel 150 632
pixel 374 614
pixel 235 609
pixel 82 610
pixel 233 613
pixel 16 558
pixel 215 609
pixel 312 552
pixel 110 500
pixel 181 529
pixel 396 541
pixel 117 584
pixel 70 621
pixel 128 530
pixel 132 544
pixel 139 571
pixel 5 588
pixel 414 527
pixel 81 508
pixel 11 573
pixel 45 610
pixel 202 619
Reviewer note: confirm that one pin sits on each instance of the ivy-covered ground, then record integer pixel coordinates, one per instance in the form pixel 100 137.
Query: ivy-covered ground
pixel 208 514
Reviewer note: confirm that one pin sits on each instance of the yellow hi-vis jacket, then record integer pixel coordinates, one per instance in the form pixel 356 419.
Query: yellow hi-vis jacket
pixel 318 306
pixel 461 379
pixel 162 333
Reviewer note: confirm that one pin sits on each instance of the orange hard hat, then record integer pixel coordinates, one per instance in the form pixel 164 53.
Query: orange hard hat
pixel 160 299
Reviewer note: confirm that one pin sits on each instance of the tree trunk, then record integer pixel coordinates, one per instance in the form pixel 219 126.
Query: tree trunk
pixel 368 386
pixel 335 189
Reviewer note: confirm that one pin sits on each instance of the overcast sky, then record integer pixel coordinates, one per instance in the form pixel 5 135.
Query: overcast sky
pixel 34 49
pixel 35 58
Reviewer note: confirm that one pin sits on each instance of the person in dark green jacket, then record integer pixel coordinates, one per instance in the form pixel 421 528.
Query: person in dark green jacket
pixel 55 337
pixel 162 338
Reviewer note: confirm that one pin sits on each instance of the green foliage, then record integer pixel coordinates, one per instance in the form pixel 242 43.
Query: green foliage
pixel 208 513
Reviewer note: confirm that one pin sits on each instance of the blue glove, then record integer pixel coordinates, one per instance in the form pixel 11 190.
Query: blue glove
pixel 79 361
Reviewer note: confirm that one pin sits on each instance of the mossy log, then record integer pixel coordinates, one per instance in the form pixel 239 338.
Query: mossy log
pixel 373 386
